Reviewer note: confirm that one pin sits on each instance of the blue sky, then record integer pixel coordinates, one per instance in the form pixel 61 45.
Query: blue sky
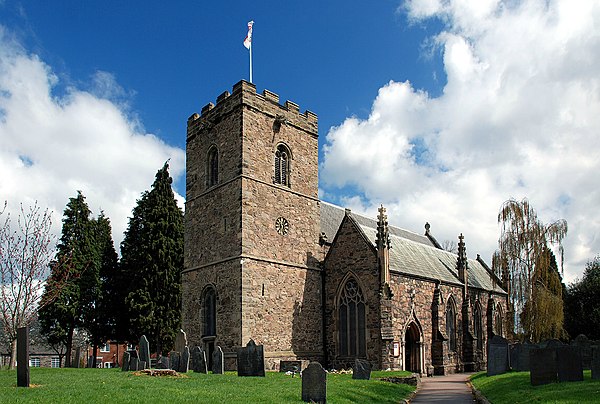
pixel 440 110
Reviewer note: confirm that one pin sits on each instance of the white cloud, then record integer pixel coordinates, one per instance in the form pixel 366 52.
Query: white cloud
pixel 518 117
pixel 52 146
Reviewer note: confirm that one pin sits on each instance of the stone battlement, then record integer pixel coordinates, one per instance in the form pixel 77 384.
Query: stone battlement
pixel 245 93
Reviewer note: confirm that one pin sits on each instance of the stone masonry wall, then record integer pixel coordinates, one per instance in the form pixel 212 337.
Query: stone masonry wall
pixel 351 254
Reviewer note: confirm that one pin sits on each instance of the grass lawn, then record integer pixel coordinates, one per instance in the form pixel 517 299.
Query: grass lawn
pixel 515 387
pixel 112 385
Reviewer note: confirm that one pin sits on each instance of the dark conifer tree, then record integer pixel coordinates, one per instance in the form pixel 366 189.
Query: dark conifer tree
pixel 76 262
pixel 152 259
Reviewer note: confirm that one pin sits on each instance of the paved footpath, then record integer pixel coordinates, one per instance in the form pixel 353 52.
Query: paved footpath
pixel 445 389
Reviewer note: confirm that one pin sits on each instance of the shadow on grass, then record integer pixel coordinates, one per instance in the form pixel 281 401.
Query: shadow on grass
pixel 515 387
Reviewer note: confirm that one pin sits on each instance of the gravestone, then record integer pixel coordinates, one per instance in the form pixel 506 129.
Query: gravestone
pixel 569 364
pixel 542 362
pixel 585 349
pixel 184 362
pixel 314 383
pixel 296 366
pixel 142 365
pixel 198 360
pixel 23 357
pixel 519 356
pixel 551 343
pixel 218 361
pixel 251 360
pixel 162 362
pixel 144 350
pixel 595 365
pixel 497 358
pixel 180 341
pixel 125 361
pixel 361 369
pixel 134 363
pixel 174 359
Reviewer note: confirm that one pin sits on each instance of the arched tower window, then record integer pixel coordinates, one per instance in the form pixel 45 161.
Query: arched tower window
pixel 351 321
pixel 498 321
pixel 209 312
pixel 282 165
pixel 213 166
pixel 478 327
pixel 451 324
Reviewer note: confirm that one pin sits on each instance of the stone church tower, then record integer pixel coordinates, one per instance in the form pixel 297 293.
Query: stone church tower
pixel 252 252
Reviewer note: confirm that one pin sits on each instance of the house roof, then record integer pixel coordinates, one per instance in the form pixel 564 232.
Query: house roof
pixel 411 253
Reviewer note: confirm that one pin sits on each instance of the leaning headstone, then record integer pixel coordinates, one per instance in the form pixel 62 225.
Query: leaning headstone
pixel 361 369
pixel 125 361
pixel 497 358
pixel 175 359
pixel 180 341
pixel 218 361
pixel 162 362
pixel 551 343
pixel 144 350
pixel 595 363
pixel 569 364
pixel 184 362
pixel 198 357
pixel 23 357
pixel 585 349
pixel 543 366
pixel 251 360
pixel 314 383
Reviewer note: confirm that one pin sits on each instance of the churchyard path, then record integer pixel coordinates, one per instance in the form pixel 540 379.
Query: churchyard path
pixel 445 389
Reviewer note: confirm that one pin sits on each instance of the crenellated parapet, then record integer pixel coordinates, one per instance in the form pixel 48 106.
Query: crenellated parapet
pixel 245 94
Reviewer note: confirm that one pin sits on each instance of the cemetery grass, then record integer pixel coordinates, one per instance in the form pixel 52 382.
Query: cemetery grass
pixel 515 387
pixel 112 385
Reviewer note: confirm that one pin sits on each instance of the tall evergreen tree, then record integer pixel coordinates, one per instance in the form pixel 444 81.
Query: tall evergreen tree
pixel 76 261
pixel 101 306
pixel 582 303
pixel 152 259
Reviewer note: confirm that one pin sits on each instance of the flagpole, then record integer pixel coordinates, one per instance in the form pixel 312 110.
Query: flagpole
pixel 250 62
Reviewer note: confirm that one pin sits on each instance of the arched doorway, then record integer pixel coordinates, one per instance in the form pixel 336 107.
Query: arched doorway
pixel 412 349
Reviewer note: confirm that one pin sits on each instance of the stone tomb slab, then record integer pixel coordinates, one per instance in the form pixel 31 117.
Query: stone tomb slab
pixel 184 363
pixel 174 359
pixel 585 349
pixel 361 369
pixel 595 365
pixel 519 356
pixel 125 361
pixel 251 360
pixel 497 358
pixel 180 341
pixel 569 364
pixel 198 357
pixel 314 384
pixel 162 362
pixel 544 369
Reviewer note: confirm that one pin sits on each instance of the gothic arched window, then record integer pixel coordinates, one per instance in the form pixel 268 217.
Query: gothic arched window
pixel 282 165
pixel 498 321
pixel 451 324
pixel 351 321
pixel 213 166
pixel 478 327
pixel 209 312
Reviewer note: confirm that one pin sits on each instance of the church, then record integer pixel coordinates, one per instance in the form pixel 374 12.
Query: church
pixel 266 260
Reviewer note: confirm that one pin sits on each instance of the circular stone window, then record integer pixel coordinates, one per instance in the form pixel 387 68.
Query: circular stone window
pixel 282 226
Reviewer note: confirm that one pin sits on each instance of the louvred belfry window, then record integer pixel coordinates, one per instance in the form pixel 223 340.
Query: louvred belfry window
pixel 282 165
pixel 351 321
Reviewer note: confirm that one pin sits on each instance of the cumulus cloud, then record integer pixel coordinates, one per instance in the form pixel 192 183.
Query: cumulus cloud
pixel 52 146
pixel 517 117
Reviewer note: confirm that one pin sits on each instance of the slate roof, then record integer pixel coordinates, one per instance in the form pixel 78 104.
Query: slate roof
pixel 411 253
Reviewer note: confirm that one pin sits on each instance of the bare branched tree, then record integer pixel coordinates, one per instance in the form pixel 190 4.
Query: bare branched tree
pixel 450 246
pixel 26 252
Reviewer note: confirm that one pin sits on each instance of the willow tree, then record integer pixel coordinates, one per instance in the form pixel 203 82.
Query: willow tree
pixel 529 269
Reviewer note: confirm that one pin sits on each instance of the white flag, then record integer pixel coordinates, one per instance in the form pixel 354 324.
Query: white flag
pixel 248 40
